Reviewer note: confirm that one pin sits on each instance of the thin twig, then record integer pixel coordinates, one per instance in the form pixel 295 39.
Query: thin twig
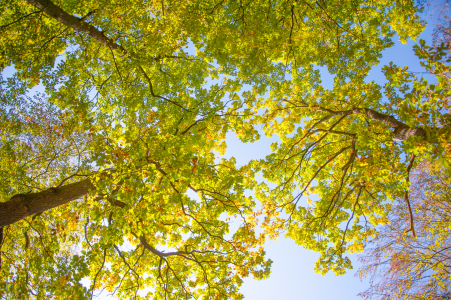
pixel 18 20
pixel 95 278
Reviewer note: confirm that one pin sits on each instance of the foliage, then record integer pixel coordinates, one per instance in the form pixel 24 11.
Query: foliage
pixel 130 109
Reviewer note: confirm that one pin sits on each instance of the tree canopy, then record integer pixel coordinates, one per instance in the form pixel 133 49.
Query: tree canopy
pixel 112 176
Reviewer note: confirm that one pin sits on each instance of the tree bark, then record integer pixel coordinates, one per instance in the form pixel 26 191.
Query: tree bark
pixel 75 23
pixel 24 205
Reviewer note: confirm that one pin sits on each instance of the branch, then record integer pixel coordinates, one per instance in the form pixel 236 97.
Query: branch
pixel 158 96
pixel 406 197
pixel 401 132
pixel 24 205
pixel 97 274
pixel 21 18
pixel 146 245
pixel 75 23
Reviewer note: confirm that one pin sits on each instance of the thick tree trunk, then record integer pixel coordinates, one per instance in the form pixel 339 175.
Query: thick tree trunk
pixel 24 205
pixel 75 23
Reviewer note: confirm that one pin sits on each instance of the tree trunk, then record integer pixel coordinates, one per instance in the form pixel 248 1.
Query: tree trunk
pixel 24 205
pixel 75 23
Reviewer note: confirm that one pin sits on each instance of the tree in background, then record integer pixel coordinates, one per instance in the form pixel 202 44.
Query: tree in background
pixel 406 267
pixel 438 11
